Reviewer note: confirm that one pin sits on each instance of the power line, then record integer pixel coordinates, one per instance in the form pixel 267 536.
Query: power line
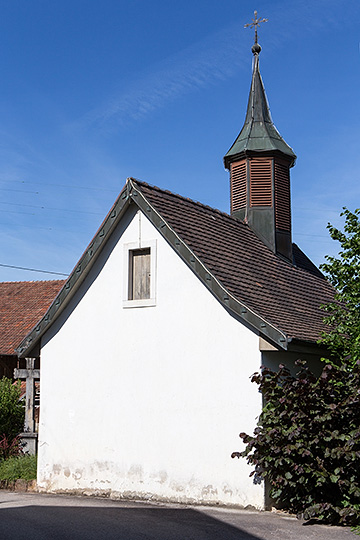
pixel 18 213
pixel 66 186
pixel 50 208
pixel 313 235
pixel 19 190
pixel 33 270
pixel 37 228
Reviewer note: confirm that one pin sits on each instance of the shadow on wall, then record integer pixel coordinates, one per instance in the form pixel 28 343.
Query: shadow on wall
pixel 272 360
pixel 86 523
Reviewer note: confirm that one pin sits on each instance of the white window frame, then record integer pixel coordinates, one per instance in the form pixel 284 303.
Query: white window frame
pixel 133 246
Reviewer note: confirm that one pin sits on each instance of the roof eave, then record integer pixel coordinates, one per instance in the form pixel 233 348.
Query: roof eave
pixel 303 346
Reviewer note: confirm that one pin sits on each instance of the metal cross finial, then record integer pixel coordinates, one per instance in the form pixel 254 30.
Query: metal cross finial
pixel 255 23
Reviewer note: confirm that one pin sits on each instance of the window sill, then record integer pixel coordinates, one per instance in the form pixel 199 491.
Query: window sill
pixel 148 302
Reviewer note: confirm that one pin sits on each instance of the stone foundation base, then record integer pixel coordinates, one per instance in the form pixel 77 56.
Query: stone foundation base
pixel 18 485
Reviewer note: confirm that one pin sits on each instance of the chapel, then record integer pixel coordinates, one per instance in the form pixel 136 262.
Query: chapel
pixel 147 350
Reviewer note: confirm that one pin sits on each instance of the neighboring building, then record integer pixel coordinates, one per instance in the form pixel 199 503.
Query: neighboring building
pixel 22 304
pixel 147 351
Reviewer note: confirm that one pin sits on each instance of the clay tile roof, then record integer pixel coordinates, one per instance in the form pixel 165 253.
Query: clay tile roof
pixel 288 296
pixel 22 304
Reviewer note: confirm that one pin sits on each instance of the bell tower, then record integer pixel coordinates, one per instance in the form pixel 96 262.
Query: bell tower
pixel 259 162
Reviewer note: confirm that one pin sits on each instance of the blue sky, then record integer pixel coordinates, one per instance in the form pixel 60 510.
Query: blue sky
pixel 93 92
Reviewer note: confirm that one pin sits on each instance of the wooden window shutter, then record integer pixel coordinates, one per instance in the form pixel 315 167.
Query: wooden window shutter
pixel 282 197
pixel 238 185
pixel 139 274
pixel 261 182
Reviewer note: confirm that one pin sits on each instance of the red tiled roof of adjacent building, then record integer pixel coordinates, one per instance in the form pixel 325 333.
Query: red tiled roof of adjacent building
pixel 22 304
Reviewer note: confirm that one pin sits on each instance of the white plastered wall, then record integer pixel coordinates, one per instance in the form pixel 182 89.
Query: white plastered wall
pixel 148 402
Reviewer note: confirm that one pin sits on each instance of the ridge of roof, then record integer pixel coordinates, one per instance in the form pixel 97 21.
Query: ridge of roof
pixel 301 262
pixel 31 281
pixel 188 199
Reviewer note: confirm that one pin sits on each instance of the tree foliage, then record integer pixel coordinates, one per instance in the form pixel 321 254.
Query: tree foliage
pixel 11 409
pixel 343 315
pixel 307 441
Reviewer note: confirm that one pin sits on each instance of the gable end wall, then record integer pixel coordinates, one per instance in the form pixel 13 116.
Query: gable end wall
pixel 147 401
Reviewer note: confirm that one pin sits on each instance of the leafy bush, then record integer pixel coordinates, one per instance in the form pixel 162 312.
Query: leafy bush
pixel 11 409
pixel 307 442
pixel 18 467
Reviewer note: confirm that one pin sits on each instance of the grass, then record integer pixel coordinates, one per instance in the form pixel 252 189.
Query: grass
pixel 18 467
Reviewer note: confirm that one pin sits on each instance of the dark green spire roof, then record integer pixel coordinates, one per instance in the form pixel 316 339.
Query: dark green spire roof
pixel 258 133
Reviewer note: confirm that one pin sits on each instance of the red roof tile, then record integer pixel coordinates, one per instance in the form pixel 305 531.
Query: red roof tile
pixel 22 304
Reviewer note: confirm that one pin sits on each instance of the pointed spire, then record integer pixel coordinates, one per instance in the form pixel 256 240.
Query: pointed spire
pixel 259 162
pixel 258 134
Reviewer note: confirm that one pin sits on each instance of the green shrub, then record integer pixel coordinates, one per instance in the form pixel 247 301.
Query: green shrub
pixel 307 442
pixel 18 467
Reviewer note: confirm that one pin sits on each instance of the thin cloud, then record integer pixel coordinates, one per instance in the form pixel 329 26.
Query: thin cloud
pixel 205 63
pixel 214 59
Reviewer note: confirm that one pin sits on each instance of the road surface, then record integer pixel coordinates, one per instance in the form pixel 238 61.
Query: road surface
pixel 34 516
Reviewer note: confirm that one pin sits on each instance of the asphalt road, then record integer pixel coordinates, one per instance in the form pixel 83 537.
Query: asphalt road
pixel 30 516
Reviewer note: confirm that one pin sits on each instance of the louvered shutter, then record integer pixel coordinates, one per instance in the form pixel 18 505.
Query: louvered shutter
pixel 260 182
pixel 238 185
pixel 282 197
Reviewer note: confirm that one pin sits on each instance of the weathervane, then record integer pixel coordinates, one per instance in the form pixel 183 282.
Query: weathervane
pixel 255 23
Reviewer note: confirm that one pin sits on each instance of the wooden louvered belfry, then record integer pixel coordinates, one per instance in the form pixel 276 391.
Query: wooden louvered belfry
pixel 262 182
pixel 259 162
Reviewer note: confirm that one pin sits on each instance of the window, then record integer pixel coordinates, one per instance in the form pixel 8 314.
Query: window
pixel 139 274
